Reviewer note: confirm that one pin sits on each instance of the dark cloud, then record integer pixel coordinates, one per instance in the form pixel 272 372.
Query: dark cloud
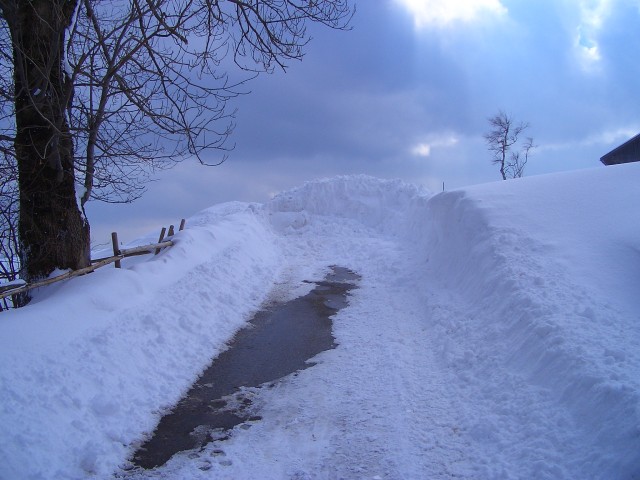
pixel 362 101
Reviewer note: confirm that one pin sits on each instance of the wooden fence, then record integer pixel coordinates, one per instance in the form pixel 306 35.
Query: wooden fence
pixel 116 258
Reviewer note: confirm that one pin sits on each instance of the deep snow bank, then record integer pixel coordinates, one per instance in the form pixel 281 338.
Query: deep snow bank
pixel 387 206
pixel 81 370
pixel 535 309
pixel 549 267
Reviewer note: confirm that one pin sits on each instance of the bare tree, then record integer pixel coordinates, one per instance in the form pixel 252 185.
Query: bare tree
pixel 97 94
pixel 9 247
pixel 501 141
pixel 518 160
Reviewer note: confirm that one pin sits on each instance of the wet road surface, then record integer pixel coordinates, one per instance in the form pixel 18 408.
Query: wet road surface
pixel 278 341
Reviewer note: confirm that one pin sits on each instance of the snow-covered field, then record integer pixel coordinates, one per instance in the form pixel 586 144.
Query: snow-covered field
pixel 495 334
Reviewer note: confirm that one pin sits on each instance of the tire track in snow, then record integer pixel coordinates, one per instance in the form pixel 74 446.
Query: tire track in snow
pixel 396 399
pixel 418 425
pixel 379 408
pixel 375 407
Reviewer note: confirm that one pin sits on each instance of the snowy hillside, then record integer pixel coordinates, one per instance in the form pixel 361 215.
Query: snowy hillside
pixel 494 334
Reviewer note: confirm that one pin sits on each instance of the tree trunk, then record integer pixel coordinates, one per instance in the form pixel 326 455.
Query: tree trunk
pixel 53 231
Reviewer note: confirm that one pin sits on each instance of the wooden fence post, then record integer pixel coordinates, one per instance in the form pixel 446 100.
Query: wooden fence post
pixel 116 247
pixel 170 234
pixel 14 290
pixel 162 232
pixel 182 222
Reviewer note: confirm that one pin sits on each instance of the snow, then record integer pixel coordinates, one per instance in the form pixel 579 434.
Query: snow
pixel 493 335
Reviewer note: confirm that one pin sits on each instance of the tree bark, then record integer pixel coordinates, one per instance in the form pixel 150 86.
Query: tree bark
pixel 53 231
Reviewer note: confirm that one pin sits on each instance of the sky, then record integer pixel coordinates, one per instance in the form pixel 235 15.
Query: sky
pixel 407 93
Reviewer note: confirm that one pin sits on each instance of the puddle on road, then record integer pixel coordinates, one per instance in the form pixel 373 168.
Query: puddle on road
pixel 277 342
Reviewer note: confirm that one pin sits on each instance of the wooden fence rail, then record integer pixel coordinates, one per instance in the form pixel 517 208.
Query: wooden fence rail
pixel 118 255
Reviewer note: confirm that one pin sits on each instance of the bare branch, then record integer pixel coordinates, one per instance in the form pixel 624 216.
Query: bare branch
pixel 502 137
pixel 100 94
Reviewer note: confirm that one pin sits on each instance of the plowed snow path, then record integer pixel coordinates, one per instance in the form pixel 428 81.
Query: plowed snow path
pixel 392 401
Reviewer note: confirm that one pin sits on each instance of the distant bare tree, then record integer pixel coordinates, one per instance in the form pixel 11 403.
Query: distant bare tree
pixel 97 94
pixel 501 140
pixel 518 160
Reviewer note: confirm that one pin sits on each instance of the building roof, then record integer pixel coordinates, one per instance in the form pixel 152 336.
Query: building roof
pixel 628 152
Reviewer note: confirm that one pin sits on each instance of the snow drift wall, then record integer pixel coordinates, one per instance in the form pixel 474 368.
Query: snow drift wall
pixel 536 292
pixel 82 370
pixel 541 265
pixel 387 206
pixel 538 268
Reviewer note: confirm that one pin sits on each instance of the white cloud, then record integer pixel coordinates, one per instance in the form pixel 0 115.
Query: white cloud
pixel 618 135
pixel 423 149
pixel 606 138
pixel 440 13
pixel 593 14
